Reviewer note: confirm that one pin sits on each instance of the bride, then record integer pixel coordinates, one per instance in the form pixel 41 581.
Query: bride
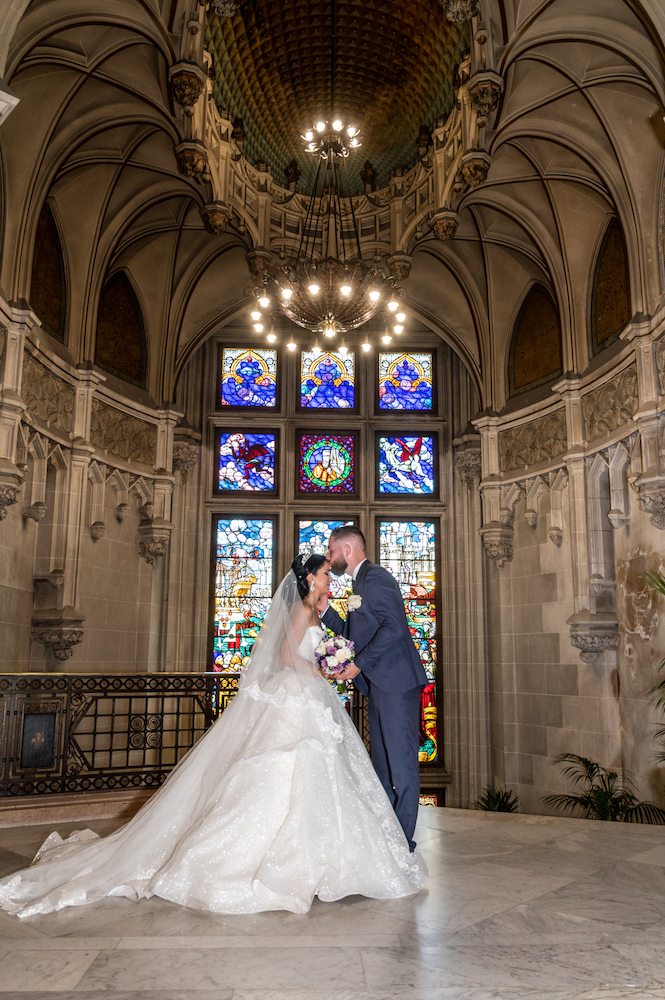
pixel 276 804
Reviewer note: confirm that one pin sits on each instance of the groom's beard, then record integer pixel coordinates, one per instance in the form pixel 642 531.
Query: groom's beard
pixel 339 567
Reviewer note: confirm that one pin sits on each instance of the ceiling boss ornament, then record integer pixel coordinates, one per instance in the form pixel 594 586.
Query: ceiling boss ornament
pixel 329 289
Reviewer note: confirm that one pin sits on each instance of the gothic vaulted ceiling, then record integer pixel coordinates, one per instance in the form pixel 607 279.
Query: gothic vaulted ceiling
pixel 387 67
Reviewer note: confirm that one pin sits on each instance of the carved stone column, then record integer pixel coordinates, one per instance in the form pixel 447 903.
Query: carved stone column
pixel 15 322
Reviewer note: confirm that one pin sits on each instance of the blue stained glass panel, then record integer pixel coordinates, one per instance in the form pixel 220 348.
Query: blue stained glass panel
pixel 405 381
pixel 247 462
pixel 249 377
pixel 406 465
pixel 242 590
pixel 407 549
pixel 313 537
pixel 327 380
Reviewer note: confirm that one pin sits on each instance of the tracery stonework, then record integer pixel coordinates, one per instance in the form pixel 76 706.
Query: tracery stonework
pixel 611 405
pixel 121 435
pixel 660 362
pixel 538 441
pixel 47 397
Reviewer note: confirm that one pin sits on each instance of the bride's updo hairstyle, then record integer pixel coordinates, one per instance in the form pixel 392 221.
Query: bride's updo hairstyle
pixel 302 566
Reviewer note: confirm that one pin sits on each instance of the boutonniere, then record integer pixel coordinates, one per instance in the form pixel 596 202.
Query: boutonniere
pixel 355 601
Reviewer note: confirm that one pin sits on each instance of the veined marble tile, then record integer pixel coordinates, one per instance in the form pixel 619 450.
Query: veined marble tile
pixel 497 879
pixel 254 942
pixel 194 969
pixel 654 856
pixel 46 972
pixel 123 995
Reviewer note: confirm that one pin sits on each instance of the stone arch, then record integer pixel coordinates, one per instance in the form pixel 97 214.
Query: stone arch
pixel 535 356
pixel 120 342
pixel 610 289
pixel 48 286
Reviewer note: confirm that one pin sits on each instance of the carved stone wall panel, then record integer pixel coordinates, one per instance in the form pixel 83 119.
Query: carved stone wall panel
pixel 660 364
pixel 47 397
pixel 611 405
pixel 529 444
pixel 126 437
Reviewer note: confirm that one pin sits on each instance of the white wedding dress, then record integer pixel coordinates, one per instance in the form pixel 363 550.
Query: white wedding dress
pixel 276 804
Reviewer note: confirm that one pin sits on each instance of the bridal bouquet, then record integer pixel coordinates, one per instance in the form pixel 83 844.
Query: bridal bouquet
pixel 333 656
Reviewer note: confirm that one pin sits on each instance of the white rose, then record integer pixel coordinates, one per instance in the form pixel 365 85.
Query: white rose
pixel 342 656
pixel 355 601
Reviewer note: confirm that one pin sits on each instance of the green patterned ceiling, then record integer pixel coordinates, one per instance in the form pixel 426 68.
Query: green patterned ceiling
pixel 394 69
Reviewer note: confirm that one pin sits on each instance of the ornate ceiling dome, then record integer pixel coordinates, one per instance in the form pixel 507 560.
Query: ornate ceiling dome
pixel 394 67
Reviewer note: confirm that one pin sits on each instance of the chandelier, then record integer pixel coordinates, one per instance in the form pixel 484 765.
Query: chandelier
pixel 329 289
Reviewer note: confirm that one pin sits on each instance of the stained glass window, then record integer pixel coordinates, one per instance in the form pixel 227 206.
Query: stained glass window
pixel 249 377
pixel 406 465
pixel 405 381
pixel 408 551
pixel 313 537
pixel 247 462
pixel 327 380
pixel 327 463
pixel 243 588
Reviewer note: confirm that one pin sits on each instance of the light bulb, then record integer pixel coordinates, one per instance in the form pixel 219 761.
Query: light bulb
pixel 313 289
pixel 343 349
pixel 271 338
pixel 309 135
pixel 338 125
pixel 320 126
pixel 345 289
pixel 367 346
pixel 291 345
pixel 354 143
pixel 351 131
pixel 312 147
pixel 258 327
pixel 329 331
pixel 399 328
pixel 264 301
pixel 286 293
pixel 316 350
pixel 393 305
pixel 386 339
pixel 400 317
pixel 256 314
pixel 374 295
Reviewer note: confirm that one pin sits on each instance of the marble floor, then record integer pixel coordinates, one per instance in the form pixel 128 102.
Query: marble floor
pixel 526 907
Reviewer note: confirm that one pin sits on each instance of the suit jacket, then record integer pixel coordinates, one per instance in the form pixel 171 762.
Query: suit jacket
pixel 384 649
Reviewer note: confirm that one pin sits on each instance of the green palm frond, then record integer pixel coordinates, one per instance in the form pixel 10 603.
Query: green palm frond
pixel 646 812
pixel 496 799
pixel 603 794
pixel 656 580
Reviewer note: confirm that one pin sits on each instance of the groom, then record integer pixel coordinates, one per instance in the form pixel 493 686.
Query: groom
pixel 387 669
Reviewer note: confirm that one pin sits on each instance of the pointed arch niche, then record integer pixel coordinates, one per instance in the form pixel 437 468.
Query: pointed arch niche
pixel 535 350
pixel 47 282
pixel 120 346
pixel 610 292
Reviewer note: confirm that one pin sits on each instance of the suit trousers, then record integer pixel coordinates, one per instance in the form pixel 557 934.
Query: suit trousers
pixel 394 734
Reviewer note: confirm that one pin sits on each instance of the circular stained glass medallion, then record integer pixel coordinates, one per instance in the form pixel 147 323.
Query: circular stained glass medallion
pixel 327 463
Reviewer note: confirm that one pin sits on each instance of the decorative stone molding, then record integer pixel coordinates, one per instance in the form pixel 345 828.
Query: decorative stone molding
pixel 593 635
pixel 223 8
pixel 617 518
pixel 531 517
pixel 652 501
pixel 126 437
pixel 611 405
pixel 444 224
pixel 485 89
pixel 58 630
pixel 498 541
pixel 9 494
pixel 537 441
pixel 215 217
pixel 154 535
pixel 400 265
pixel 660 364
pixel 258 262
pixel 35 511
pixel 475 165
pixel 97 529
pixel 185 457
pixel 46 397
pixel 121 512
pixel 459 11
pixel 469 466
pixel 192 160
pixel 555 535
pixel 188 82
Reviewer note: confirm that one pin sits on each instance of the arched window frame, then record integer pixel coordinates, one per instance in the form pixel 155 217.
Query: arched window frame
pixel 143 382
pixel 612 223
pixel 61 333
pixel 535 286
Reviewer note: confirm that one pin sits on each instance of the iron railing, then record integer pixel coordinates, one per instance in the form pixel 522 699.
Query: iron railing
pixel 91 732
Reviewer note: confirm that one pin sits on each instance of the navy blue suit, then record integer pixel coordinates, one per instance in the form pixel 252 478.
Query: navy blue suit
pixel 392 675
